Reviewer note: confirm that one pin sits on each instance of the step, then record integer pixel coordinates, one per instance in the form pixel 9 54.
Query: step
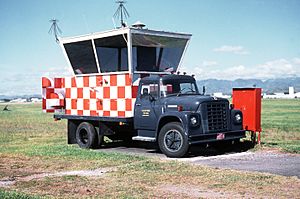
pixel 142 138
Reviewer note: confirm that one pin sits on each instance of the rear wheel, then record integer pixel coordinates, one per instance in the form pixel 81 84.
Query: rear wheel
pixel 172 141
pixel 86 136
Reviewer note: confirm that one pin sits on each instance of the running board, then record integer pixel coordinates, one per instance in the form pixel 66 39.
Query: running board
pixel 141 138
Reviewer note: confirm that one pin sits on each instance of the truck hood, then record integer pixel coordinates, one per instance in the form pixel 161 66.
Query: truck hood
pixel 188 102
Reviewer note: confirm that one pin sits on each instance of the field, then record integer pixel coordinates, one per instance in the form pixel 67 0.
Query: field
pixel 36 162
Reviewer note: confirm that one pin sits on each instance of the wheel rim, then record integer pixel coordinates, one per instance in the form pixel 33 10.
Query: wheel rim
pixel 83 136
pixel 173 140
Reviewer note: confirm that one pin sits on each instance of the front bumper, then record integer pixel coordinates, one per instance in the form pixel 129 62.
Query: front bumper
pixel 213 137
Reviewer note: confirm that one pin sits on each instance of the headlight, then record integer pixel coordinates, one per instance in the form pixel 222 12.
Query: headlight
pixel 193 120
pixel 238 118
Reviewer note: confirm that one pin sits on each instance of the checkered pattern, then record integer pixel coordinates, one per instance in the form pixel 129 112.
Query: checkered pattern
pixel 99 95
pixel 53 94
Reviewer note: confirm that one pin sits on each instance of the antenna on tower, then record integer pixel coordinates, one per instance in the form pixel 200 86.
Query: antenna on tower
pixel 121 12
pixel 54 29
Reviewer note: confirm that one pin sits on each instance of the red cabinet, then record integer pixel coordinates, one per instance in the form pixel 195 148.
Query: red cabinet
pixel 248 100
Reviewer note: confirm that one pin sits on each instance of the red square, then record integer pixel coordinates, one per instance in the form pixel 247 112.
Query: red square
pixel 99 105
pixel 93 113
pixel 113 105
pixel 121 92
pixel 113 80
pixel 106 92
pixel 79 92
pixel 73 103
pixel 86 104
pixel 73 82
pixel 121 113
pixel 127 80
pixel 128 105
pixel 58 82
pixel 92 94
pixel 62 102
pixel 106 113
pixel 48 92
pixel 68 112
pixel 86 81
pixel 99 80
pixel 68 92
pixel 80 112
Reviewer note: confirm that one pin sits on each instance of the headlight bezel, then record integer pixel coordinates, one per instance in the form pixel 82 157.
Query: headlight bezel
pixel 194 120
pixel 238 118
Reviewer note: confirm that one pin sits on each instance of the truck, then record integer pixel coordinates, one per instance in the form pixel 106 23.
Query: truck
pixel 126 85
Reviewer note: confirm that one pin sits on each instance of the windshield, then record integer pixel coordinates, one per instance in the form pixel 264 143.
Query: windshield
pixel 178 88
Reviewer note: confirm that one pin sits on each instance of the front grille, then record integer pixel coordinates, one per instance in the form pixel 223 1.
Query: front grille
pixel 217 116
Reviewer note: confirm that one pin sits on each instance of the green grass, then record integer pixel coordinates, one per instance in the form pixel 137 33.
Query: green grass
pixel 15 195
pixel 281 124
pixel 32 142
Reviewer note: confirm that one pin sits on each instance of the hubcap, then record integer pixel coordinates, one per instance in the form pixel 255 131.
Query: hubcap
pixel 173 140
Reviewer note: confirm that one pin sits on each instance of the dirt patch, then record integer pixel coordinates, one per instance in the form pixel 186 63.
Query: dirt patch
pixel 84 173
pixel 196 192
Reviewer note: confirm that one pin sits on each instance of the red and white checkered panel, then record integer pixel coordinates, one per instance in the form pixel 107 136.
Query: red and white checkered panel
pixel 100 95
pixel 111 95
pixel 53 94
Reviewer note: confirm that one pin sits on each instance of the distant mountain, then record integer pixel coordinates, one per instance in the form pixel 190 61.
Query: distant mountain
pixel 20 96
pixel 268 86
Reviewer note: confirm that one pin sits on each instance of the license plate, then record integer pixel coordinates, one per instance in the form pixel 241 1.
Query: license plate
pixel 220 136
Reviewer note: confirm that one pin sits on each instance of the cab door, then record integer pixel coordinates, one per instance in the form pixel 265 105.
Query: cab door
pixel 146 112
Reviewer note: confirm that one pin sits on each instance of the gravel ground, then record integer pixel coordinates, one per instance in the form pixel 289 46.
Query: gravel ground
pixel 273 162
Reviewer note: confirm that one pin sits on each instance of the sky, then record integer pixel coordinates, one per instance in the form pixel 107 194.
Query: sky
pixel 231 39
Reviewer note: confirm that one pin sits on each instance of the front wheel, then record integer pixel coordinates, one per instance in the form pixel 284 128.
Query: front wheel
pixel 172 140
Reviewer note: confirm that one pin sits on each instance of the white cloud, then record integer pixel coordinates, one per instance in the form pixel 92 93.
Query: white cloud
pixel 232 49
pixel 209 63
pixel 280 68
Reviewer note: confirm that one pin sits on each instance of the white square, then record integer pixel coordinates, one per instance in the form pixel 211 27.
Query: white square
pixel 93 104
pixel 113 92
pixel 129 114
pixel 86 93
pixel 113 113
pixel 100 113
pixel 79 82
pixel 121 104
pixel 79 104
pixel 121 80
pixel 86 112
pixel 73 93
pixel 128 94
pixel 68 82
pixel 73 112
pixel 106 104
pixel 68 103
pixel 99 92
pixel 92 81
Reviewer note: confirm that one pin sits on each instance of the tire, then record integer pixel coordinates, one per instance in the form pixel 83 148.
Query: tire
pixel 172 140
pixel 86 136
